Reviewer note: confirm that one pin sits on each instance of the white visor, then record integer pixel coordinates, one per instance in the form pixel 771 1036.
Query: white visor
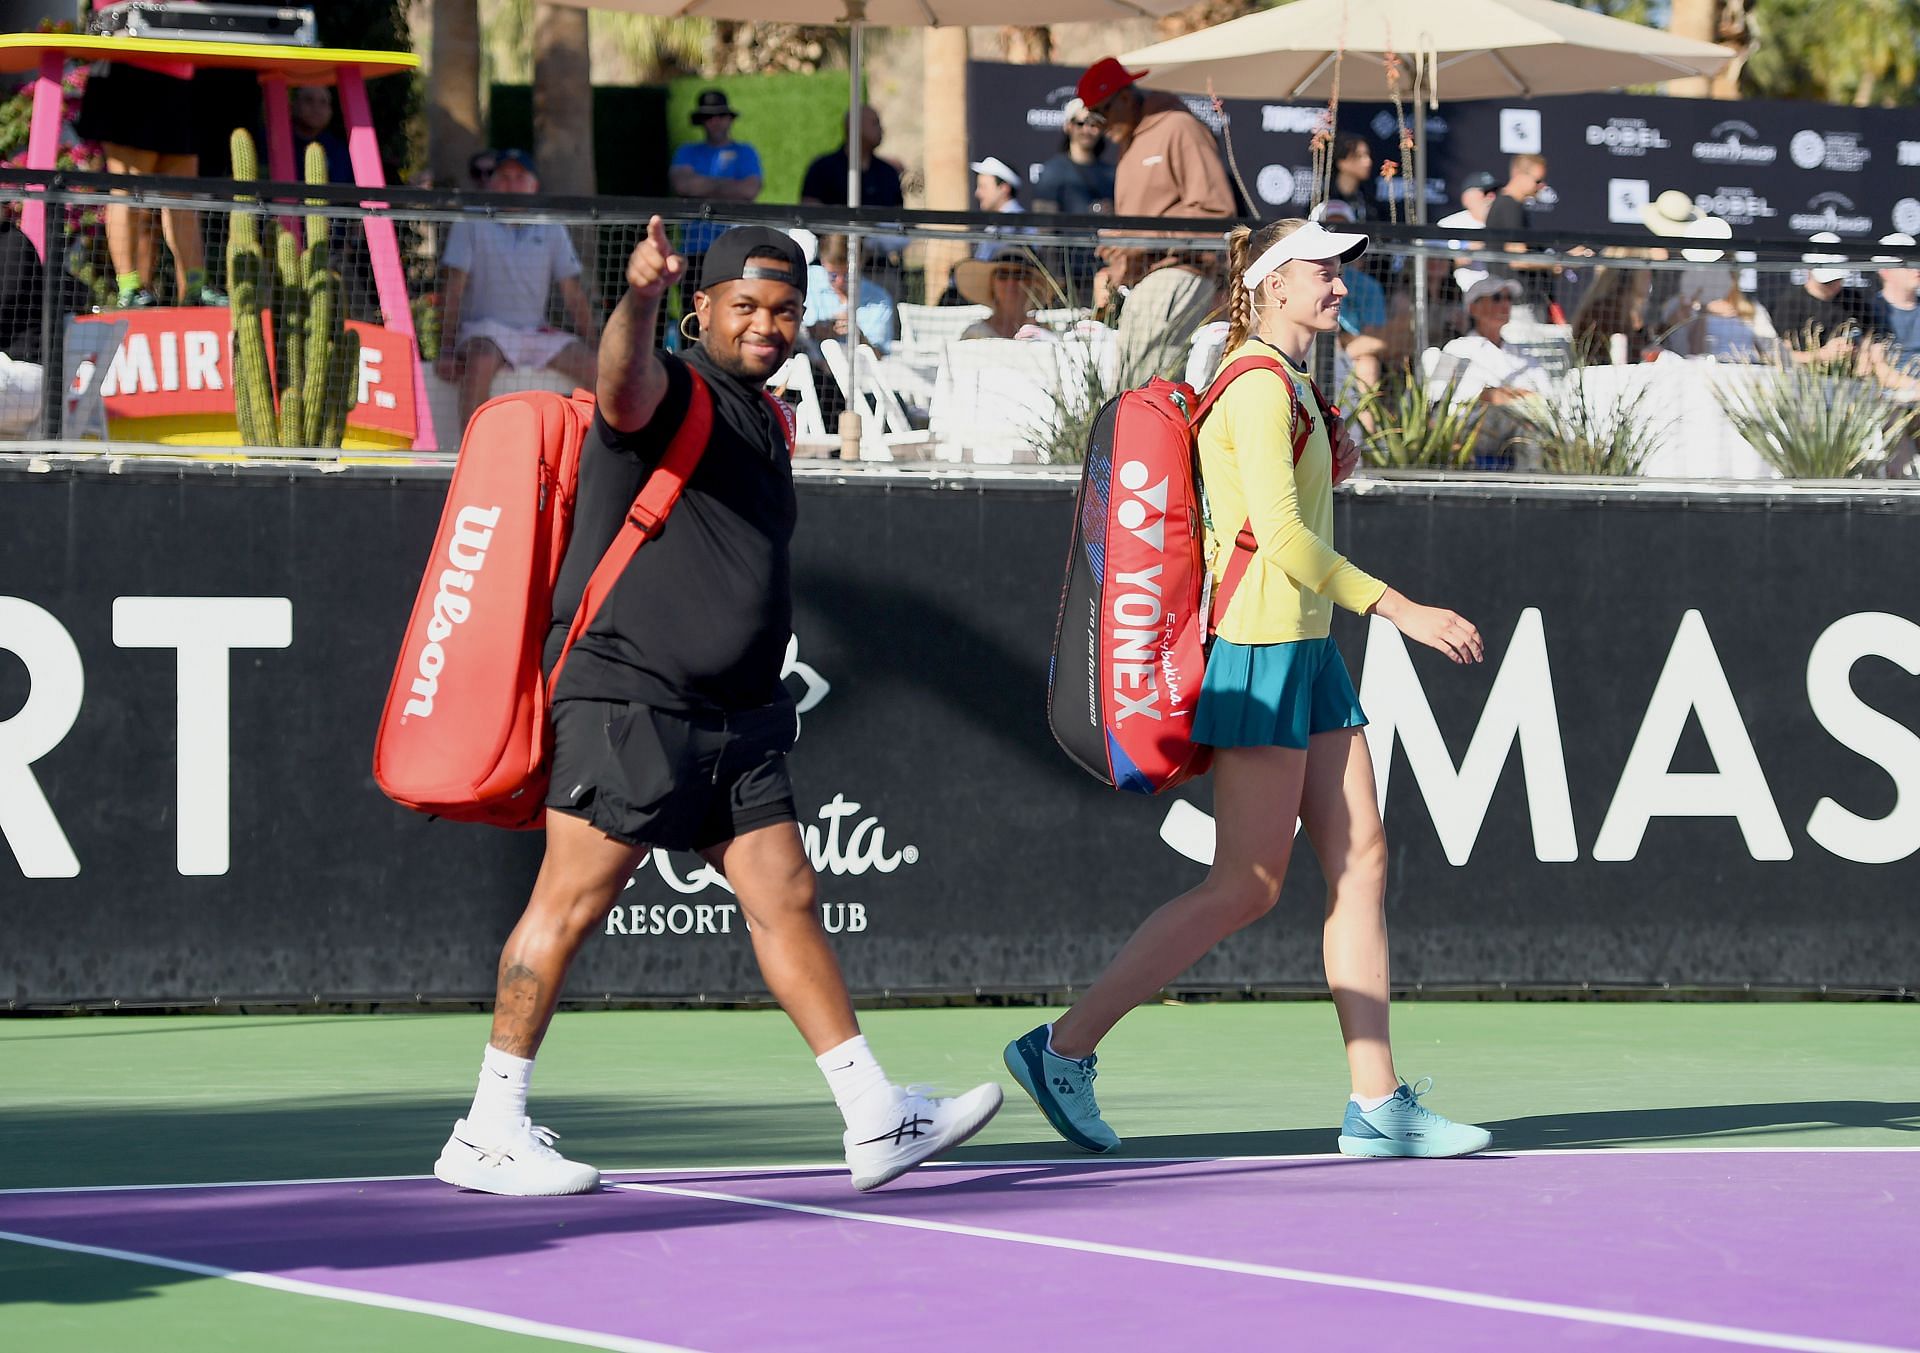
pixel 1313 242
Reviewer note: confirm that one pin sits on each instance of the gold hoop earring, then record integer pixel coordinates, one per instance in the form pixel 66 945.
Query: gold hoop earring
pixel 693 337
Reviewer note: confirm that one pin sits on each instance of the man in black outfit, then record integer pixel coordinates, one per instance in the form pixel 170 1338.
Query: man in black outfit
pixel 671 726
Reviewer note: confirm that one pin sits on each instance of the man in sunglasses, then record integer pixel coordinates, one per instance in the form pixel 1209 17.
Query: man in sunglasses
pixel 1169 166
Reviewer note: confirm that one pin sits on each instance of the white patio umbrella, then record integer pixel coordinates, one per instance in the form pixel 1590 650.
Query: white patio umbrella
pixel 858 14
pixel 1466 49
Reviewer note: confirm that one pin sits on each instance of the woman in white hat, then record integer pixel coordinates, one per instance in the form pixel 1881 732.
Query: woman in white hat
pixel 1279 708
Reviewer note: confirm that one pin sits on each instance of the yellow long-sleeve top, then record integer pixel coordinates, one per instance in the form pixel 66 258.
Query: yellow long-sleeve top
pixel 1246 462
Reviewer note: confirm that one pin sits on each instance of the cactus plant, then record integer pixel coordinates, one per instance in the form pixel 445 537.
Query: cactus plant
pixel 267 270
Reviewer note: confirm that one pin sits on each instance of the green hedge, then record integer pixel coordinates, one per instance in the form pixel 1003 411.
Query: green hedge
pixel 789 119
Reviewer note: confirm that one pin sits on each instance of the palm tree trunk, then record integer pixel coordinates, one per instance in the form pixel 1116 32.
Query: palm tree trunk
pixel 562 100
pixel 949 183
pixel 1026 46
pixel 453 116
pixel 1699 20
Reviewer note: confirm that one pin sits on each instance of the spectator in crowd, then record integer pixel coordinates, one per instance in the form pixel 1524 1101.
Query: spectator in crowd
pixel 1352 168
pixel 310 112
pixel 1896 310
pixel 1490 372
pixel 825 185
pixel 1012 287
pixel 715 169
pixel 1613 314
pixel 144 122
pixel 1711 315
pixel 22 287
pixel 1078 180
pixel 1814 318
pixel 1511 209
pixel 499 279
pixel 996 189
pixel 1494 373
pixel 1476 199
pixel 1362 333
pixel 826 313
pixel 1169 167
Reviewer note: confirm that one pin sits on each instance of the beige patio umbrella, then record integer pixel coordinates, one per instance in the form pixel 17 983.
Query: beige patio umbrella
pixel 1462 49
pixel 859 14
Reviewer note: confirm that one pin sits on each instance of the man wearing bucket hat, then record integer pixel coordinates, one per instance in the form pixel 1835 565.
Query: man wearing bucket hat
pixel 715 169
pixel 1168 166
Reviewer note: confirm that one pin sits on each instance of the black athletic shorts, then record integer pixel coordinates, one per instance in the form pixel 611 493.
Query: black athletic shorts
pixel 137 108
pixel 651 777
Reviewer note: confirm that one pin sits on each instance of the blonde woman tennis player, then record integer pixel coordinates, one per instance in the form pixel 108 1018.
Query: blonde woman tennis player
pixel 1280 709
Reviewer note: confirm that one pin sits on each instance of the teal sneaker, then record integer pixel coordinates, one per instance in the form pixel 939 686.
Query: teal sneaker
pixel 1403 1126
pixel 1062 1088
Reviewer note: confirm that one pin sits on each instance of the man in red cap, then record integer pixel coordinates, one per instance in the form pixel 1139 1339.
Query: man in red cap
pixel 1168 166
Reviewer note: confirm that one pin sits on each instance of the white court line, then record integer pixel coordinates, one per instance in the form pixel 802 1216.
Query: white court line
pixel 797 1167
pixel 1731 1334
pixel 466 1315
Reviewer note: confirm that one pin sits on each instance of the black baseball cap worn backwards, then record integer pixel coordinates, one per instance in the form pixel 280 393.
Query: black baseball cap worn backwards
pixel 727 259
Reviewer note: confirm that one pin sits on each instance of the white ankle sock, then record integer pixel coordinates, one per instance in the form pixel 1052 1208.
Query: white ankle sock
pixel 1055 1052
pixel 501 1096
pixel 860 1088
pixel 1368 1103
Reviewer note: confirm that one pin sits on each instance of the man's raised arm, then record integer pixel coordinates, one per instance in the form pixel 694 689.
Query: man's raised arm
pixel 632 382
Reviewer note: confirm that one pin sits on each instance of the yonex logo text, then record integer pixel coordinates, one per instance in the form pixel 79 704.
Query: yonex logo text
pixel 1137 608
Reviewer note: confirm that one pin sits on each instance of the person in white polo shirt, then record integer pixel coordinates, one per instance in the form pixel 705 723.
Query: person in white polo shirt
pixel 498 280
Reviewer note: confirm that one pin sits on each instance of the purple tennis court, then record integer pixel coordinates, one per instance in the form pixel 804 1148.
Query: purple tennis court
pixel 1780 1249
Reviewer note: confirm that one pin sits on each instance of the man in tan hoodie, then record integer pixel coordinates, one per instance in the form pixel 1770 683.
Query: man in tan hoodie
pixel 1169 166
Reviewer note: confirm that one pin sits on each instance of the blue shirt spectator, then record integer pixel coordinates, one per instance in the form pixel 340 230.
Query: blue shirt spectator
pixel 1077 180
pixel 826 311
pixel 717 169
pixel 1365 304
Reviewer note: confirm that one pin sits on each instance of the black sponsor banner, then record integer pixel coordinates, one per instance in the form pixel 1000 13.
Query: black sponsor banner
pixel 1771 168
pixel 1692 756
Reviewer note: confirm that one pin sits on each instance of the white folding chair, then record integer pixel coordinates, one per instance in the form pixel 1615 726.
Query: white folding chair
pixel 994 400
pixel 886 432
pixel 926 329
pixel 810 424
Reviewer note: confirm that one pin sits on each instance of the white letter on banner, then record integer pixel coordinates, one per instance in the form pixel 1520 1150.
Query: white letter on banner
pixel 1859 727
pixel 1520 707
pixel 203 630
pixel 1692 681
pixel 55 684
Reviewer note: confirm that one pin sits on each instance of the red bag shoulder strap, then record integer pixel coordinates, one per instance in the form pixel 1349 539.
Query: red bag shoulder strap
pixel 656 499
pixel 789 420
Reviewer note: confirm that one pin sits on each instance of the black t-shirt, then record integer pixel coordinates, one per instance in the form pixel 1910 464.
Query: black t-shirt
pixel 1073 186
pixel 826 181
pixel 21 282
pixel 699 621
pixel 1795 311
pixel 1508 213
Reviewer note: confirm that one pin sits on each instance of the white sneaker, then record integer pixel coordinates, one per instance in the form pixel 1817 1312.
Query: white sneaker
pixel 924 1127
pixel 516 1159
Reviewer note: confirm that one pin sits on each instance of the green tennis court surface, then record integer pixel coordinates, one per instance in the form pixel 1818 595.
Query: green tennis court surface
pixel 163 1100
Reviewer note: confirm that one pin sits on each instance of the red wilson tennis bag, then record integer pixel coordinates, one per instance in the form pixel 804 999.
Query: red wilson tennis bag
pixel 1136 612
pixel 464 734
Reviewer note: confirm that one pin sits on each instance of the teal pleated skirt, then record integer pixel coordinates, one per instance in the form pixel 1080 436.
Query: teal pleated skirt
pixel 1274 695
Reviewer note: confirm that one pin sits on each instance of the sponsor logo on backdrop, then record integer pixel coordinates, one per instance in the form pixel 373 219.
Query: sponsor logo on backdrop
pixel 1908 154
pixel 1840 151
pixel 1906 216
pixel 1734 143
pixel 1546 199
pixel 1830 211
pixel 1202 107
pixel 844 839
pixel 1386 126
pixel 1693 691
pixel 1519 131
pixel 1280 186
pixel 1626 198
pixel 1286 117
pixel 1735 206
pixel 1627 136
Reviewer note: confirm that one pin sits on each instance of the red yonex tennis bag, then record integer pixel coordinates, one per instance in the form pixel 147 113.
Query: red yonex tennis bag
pixel 1136 612
pixel 464 734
